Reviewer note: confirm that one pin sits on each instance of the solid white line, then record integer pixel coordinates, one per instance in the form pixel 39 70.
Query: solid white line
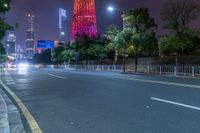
pixel 146 80
pixel 159 82
pixel 175 103
pixel 60 77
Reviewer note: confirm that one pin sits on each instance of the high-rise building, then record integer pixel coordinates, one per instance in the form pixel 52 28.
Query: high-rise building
pixel 84 19
pixel 62 24
pixel 10 43
pixel 30 37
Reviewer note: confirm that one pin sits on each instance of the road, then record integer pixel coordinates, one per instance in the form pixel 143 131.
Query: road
pixel 102 102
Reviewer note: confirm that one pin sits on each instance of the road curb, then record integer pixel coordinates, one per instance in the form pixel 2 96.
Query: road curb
pixel 30 120
pixel 4 122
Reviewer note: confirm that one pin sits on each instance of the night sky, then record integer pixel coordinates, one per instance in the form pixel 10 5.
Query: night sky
pixel 46 12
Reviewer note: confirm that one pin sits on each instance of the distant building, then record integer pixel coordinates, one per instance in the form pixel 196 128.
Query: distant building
pixel 30 37
pixel 20 54
pixel 10 41
pixel 62 24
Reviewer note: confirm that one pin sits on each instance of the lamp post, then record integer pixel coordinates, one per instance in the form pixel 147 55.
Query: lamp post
pixel 112 9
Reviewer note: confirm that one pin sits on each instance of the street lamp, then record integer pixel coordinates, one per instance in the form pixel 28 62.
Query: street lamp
pixel 112 9
pixel 62 33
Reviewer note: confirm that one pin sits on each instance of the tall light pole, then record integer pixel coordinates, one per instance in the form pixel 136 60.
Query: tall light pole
pixel 112 9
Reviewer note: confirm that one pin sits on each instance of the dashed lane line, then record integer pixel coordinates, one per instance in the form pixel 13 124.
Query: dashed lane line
pixel 31 121
pixel 60 77
pixel 175 103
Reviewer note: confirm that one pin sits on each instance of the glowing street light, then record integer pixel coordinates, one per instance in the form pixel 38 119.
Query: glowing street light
pixel 110 8
pixel 62 33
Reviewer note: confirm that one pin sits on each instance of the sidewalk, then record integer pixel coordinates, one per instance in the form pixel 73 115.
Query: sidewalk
pixel 10 119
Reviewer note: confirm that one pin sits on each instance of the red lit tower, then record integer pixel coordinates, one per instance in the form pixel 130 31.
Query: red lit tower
pixel 84 19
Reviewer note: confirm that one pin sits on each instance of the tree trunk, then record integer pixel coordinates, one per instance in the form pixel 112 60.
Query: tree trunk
pixel 177 60
pixel 124 62
pixel 116 57
pixel 87 60
pixel 136 61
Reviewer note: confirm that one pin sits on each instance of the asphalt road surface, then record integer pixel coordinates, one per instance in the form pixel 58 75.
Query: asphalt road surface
pixel 101 102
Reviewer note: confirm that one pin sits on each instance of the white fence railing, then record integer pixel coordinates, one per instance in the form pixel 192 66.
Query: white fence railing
pixel 186 70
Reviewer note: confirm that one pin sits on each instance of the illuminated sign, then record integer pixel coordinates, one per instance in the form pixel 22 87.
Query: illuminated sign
pixel 45 44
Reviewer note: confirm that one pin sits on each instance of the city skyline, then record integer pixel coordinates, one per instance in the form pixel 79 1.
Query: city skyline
pixel 47 27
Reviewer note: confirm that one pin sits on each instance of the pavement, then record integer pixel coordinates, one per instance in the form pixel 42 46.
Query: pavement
pixel 10 117
pixel 63 101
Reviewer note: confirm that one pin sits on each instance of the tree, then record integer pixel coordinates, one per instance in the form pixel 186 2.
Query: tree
pixel 177 14
pixel 149 46
pixel 44 57
pixel 56 54
pixel 179 46
pixel 183 45
pixel 97 51
pixel 140 21
pixel 68 54
pixel 4 7
pixel 124 40
pixel 111 33
pixel 92 48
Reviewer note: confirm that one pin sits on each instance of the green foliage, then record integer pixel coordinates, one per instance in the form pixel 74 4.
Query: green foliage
pixel 2 49
pixel 92 48
pixel 149 45
pixel 111 46
pixel 140 22
pixel 178 13
pixel 3 28
pixel 124 39
pixel 139 19
pixel 3 58
pixel 178 45
pixel 112 32
pixel 56 54
pixel 68 54
pixel 4 6
pixel 44 57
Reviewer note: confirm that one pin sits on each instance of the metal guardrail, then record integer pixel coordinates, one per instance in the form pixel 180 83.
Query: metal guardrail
pixel 185 70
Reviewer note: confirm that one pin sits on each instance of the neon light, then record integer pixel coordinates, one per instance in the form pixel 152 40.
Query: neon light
pixel 84 19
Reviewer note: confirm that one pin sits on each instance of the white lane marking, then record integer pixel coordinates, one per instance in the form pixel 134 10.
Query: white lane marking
pixel 10 83
pixel 143 80
pixel 9 80
pixel 175 103
pixel 60 77
pixel 159 82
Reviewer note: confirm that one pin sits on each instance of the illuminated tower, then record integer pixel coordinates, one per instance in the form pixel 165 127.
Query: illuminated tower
pixel 84 19
pixel 62 24
pixel 30 37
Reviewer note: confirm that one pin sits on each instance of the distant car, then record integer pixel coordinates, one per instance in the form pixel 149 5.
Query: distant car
pixel 11 65
pixel 39 66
